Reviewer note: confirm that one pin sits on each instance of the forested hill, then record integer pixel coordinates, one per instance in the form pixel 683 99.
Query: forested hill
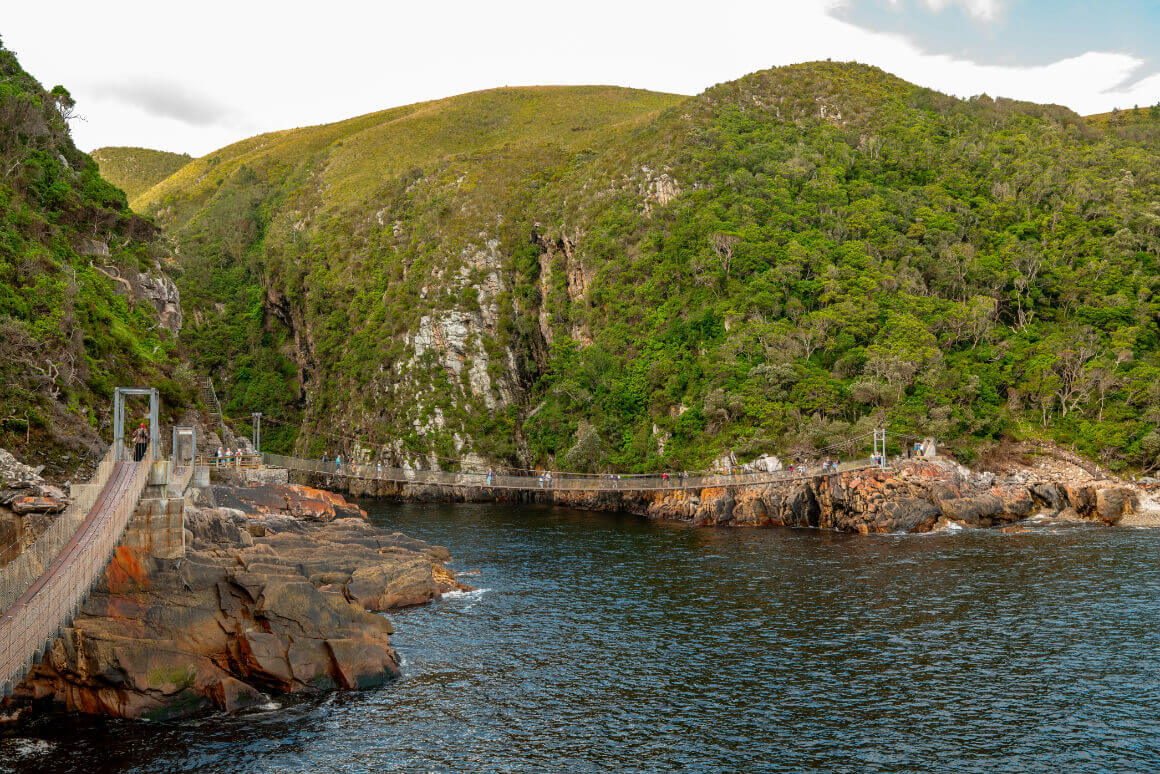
pixel 136 170
pixel 595 277
pixel 79 274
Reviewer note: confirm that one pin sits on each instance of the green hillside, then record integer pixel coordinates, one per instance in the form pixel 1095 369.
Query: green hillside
pixel 593 277
pixel 71 257
pixel 136 170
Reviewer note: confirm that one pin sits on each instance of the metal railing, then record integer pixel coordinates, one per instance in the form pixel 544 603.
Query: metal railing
pixel 232 461
pixel 558 481
pixel 33 618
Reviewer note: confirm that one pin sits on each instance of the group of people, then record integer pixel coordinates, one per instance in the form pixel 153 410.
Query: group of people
pixel 230 456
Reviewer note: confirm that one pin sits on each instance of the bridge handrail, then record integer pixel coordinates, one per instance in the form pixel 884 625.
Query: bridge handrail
pixel 247 460
pixel 33 626
pixel 18 575
pixel 558 481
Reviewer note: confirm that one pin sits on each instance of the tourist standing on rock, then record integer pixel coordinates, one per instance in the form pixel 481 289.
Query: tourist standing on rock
pixel 140 442
pixel 490 473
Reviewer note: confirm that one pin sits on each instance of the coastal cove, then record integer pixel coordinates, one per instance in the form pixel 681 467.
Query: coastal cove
pixel 603 640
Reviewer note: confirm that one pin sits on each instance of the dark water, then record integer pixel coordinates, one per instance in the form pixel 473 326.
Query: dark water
pixel 606 644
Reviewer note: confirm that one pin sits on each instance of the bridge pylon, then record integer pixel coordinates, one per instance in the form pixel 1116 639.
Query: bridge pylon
pixel 119 396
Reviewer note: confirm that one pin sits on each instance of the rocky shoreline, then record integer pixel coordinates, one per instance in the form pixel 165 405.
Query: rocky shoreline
pixel 279 592
pixel 281 585
pixel 914 496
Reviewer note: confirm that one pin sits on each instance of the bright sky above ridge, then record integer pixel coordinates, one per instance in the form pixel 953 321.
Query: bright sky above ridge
pixel 199 76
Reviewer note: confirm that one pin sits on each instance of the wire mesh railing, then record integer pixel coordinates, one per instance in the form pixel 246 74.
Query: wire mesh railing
pixel 19 574
pixel 559 481
pixel 34 618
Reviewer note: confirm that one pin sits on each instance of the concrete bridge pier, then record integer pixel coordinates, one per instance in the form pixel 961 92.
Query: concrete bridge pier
pixel 158 524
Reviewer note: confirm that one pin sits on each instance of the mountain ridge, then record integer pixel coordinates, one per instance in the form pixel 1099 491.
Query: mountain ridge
pixel 775 264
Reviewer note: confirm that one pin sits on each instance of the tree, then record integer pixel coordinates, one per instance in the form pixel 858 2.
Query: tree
pixel 723 243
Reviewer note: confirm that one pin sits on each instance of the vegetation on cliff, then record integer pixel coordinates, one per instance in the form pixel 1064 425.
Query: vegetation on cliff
pixel 590 277
pixel 70 330
pixel 136 170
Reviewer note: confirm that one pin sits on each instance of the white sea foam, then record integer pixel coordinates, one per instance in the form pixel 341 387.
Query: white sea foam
pixel 30 748
pixel 951 526
pixel 457 594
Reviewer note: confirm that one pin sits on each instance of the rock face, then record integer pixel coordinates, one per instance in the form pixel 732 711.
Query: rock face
pixel 918 496
pixel 302 502
pixel 28 505
pixel 158 289
pixel 258 606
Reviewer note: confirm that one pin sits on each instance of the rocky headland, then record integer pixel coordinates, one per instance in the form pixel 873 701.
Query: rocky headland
pixel 279 592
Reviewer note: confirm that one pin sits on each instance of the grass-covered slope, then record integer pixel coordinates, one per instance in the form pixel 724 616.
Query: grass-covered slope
pixel 70 330
pixel 595 277
pixel 136 170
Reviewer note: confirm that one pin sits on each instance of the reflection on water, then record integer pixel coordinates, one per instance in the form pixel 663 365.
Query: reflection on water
pixel 600 643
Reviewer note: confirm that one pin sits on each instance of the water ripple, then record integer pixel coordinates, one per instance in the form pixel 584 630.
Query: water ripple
pixel 602 643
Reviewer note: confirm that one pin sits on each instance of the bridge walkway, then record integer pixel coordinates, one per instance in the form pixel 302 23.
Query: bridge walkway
pixel 43 588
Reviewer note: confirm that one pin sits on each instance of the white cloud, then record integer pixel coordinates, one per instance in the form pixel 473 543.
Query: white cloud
pixel 983 10
pixel 241 68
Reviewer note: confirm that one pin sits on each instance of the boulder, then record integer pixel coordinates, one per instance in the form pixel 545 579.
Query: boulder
pixel 33 504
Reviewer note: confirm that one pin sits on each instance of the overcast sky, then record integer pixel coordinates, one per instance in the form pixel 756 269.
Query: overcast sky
pixel 193 77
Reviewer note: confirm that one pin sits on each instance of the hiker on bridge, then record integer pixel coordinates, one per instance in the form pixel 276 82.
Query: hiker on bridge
pixel 140 442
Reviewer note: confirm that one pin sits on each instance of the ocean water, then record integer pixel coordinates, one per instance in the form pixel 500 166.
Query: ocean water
pixel 600 643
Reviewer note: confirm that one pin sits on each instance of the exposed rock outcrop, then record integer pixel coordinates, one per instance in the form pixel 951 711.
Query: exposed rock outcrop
pixel 157 288
pixel 259 606
pixel 28 505
pixel 917 496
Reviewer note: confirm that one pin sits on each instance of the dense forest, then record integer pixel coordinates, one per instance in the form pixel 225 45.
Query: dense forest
pixel 849 250
pixel 71 250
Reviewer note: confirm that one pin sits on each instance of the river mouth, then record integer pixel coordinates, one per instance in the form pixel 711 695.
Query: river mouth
pixel 600 642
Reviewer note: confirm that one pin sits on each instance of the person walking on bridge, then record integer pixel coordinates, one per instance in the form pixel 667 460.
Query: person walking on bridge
pixel 140 442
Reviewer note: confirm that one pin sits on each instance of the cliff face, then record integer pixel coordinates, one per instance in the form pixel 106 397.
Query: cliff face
pixel 917 496
pixel 262 604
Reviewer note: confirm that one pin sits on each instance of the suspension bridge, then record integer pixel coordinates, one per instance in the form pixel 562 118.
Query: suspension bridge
pixel 556 481
pixel 43 588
